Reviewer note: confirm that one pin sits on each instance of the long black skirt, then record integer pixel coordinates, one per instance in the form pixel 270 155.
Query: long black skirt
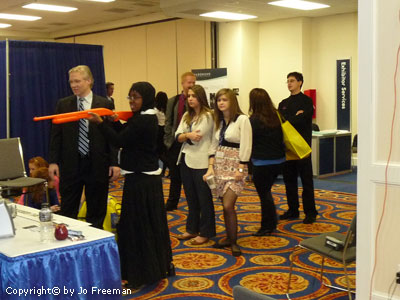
pixel 143 235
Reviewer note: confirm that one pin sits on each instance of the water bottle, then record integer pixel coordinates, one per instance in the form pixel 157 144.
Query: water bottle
pixel 211 182
pixel 46 224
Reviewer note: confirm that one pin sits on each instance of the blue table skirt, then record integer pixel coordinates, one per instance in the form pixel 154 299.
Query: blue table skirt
pixel 91 269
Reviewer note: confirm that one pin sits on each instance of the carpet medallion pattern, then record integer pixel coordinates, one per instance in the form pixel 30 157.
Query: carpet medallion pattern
pixel 204 272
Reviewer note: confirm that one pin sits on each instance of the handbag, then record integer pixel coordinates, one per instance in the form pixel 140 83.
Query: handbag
pixel 296 146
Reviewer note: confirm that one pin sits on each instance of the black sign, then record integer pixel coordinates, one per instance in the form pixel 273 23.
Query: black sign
pixel 207 74
pixel 343 93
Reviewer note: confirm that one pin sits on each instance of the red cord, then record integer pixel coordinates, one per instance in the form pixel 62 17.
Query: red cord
pixel 386 174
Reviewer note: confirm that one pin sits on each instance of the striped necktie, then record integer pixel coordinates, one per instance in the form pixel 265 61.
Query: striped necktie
pixel 83 137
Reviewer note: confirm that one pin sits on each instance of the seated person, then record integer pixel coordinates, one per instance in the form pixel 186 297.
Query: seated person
pixel 36 195
pixel 39 162
pixel 36 163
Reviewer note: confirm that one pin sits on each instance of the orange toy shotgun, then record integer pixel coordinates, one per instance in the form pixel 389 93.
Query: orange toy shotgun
pixel 76 115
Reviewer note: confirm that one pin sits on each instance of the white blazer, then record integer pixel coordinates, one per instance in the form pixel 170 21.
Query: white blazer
pixel 196 155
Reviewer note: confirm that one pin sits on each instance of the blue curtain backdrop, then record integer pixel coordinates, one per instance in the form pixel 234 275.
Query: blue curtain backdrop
pixel 38 78
pixel 3 124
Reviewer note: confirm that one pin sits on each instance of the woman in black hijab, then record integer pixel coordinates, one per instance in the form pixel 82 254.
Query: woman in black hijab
pixel 143 235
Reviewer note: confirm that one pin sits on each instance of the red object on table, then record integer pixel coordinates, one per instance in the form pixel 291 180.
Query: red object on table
pixel 61 232
pixel 312 93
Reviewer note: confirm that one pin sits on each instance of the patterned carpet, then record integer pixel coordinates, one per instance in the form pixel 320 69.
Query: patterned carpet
pixel 203 272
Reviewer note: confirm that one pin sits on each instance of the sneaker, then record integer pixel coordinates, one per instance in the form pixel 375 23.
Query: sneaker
pixel 289 215
pixel 309 219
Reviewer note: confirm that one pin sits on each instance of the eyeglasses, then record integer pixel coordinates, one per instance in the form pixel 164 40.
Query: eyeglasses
pixel 291 81
pixel 133 97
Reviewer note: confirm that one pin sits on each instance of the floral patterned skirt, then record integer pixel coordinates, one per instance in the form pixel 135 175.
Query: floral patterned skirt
pixel 225 167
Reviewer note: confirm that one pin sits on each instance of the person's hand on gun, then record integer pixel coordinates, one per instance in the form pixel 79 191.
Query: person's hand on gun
pixel 94 118
pixel 112 118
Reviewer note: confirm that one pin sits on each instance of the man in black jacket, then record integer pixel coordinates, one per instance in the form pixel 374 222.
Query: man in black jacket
pixel 176 107
pixel 298 110
pixel 80 155
pixel 110 92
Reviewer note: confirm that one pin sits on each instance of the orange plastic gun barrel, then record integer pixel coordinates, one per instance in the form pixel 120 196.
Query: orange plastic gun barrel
pixel 123 115
pixel 65 120
pixel 76 115
pixel 84 113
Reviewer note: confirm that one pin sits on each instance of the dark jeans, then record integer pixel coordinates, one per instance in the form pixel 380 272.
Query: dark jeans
pixel 96 194
pixel 175 175
pixel 291 170
pixel 201 217
pixel 263 178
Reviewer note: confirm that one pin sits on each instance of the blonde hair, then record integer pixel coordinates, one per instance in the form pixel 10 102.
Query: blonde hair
pixel 85 71
pixel 186 74
pixel 234 108
pixel 201 97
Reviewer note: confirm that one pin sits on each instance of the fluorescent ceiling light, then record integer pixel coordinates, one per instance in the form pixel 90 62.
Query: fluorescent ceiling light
pixel 227 15
pixel 103 0
pixel 2 25
pixel 19 17
pixel 48 7
pixel 299 4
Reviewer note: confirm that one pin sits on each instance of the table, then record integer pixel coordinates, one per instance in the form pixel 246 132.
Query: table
pixel 331 152
pixel 29 268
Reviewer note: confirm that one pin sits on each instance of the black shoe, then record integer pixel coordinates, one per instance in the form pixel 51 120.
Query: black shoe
pixel 289 215
pixel 263 232
pixel 236 250
pixel 171 270
pixel 170 207
pixel 221 245
pixel 310 219
pixel 129 286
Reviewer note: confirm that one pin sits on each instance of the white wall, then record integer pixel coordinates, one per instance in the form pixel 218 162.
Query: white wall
pixel 332 38
pixel 281 52
pixel 158 53
pixel 238 51
pixel 379 40
pixel 307 45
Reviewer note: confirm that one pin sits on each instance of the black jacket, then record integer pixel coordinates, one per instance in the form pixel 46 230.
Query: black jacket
pixel 138 140
pixel 64 143
pixel 267 141
pixel 302 122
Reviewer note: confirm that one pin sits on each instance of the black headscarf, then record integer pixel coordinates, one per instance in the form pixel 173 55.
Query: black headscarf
pixel 147 91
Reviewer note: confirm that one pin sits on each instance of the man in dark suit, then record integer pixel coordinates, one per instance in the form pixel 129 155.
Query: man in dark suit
pixel 176 107
pixel 110 92
pixel 80 155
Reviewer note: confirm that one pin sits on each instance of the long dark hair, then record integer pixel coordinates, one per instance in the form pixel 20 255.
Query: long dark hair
pixel 201 97
pixel 262 108
pixel 234 108
pixel 161 101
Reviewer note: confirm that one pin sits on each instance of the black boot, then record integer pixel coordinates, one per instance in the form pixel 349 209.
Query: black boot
pixel 171 270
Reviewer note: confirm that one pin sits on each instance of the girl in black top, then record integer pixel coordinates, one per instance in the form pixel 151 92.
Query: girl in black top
pixel 143 235
pixel 267 155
